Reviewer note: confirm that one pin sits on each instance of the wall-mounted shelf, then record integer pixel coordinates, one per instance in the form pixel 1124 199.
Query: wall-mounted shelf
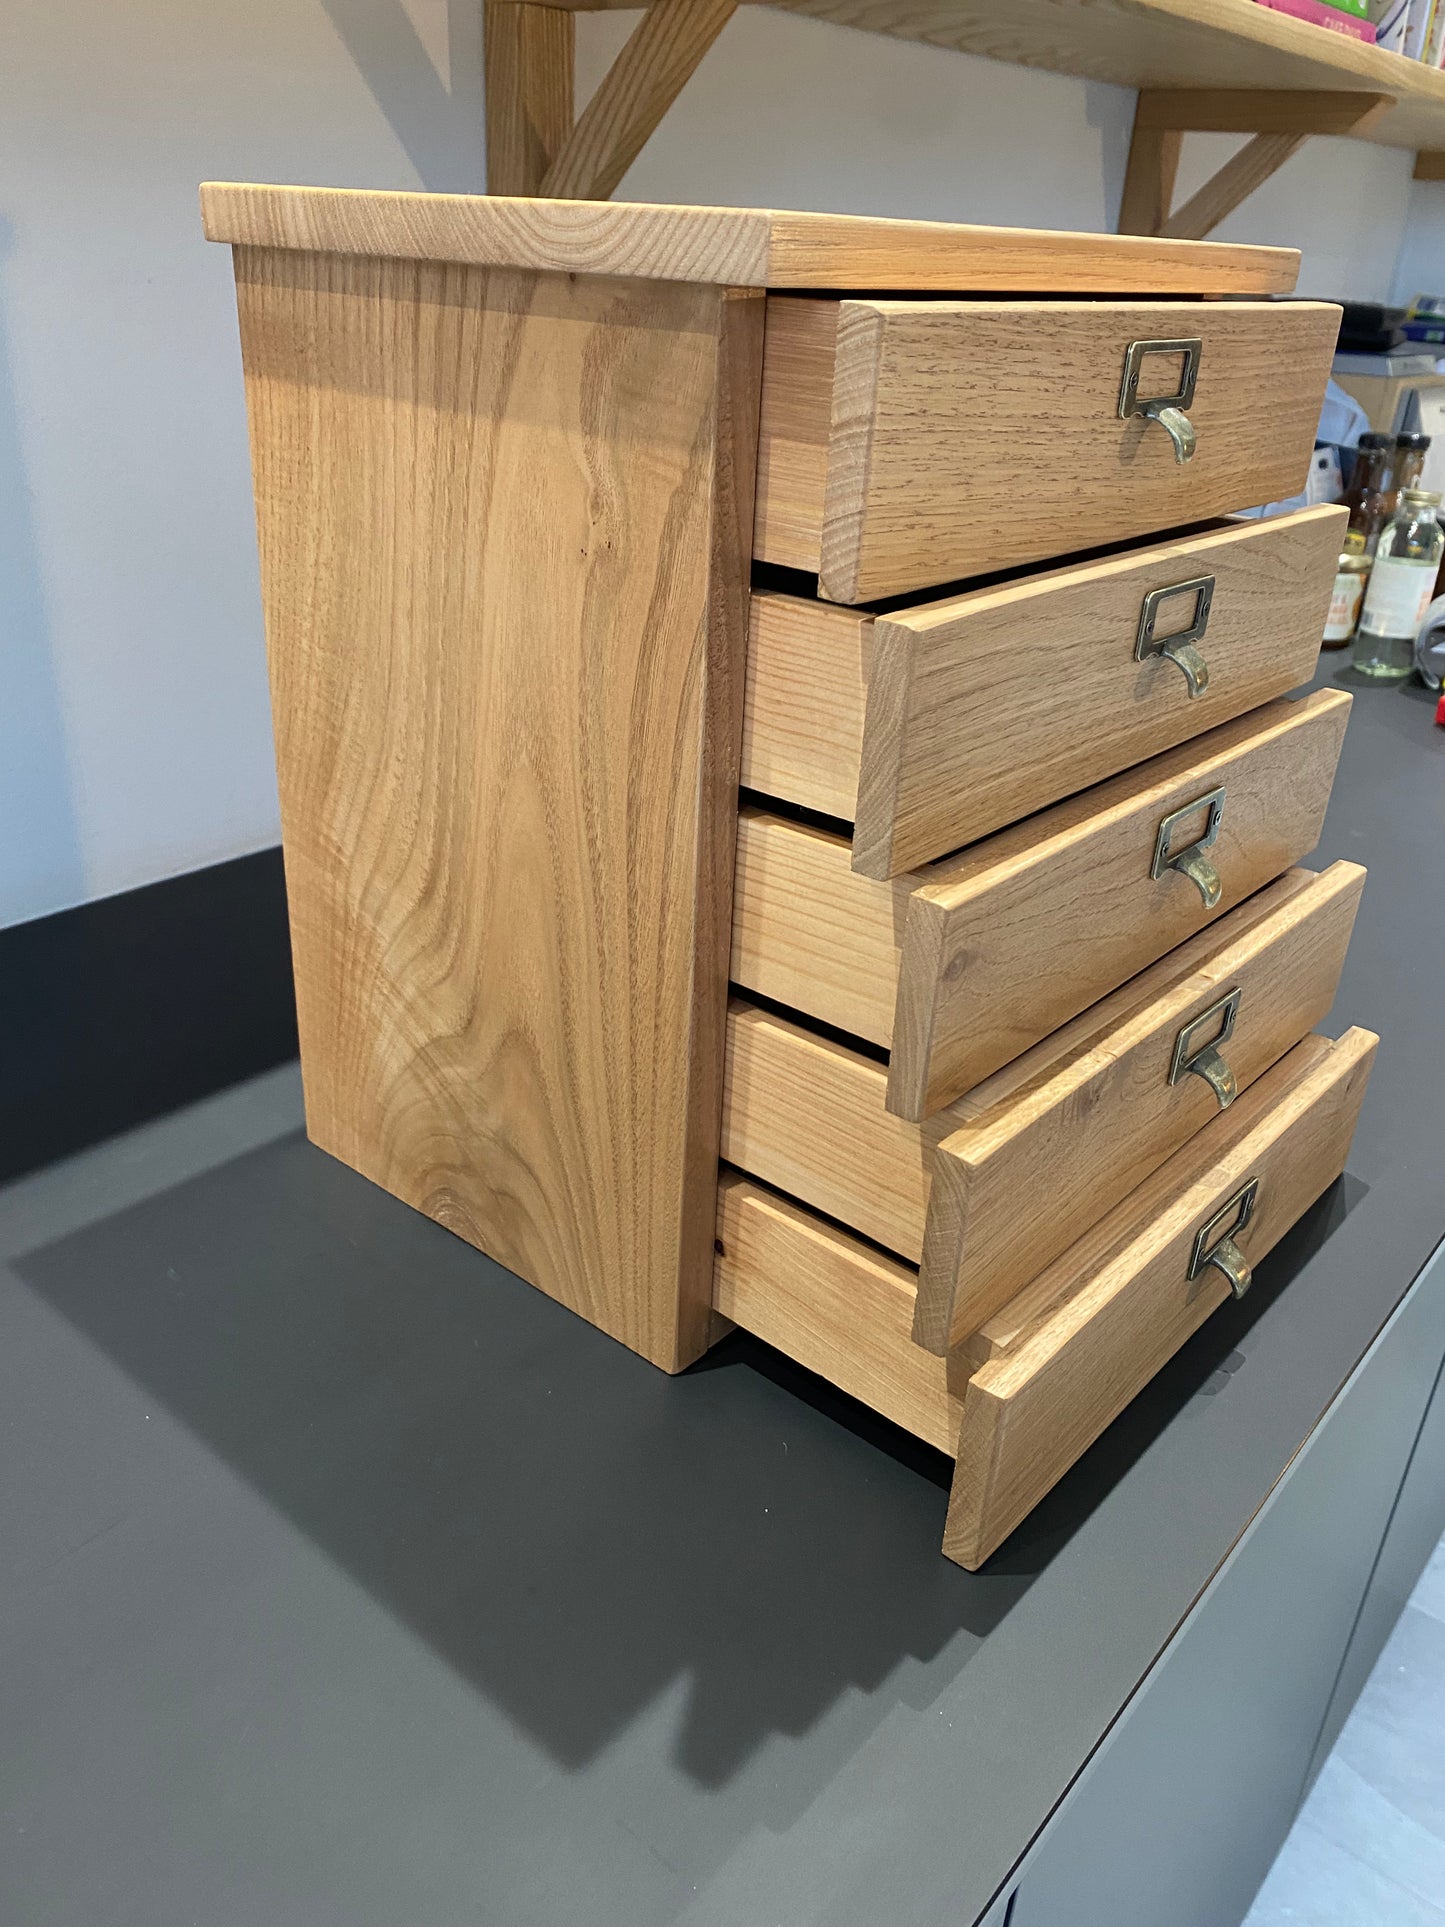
pixel 1234 67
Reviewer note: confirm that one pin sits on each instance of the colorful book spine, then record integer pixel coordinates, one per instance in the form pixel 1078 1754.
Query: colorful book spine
pixel 1322 16
pixel 1360 8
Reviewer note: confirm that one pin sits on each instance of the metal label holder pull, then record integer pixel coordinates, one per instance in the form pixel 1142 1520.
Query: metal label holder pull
pixel 1180 647
pixel 1204 1060
pixel 1167 410
pixel 1191 862
pixel 1221 1251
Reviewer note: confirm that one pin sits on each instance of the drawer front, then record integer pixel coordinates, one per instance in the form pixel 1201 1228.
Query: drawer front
pixel 934 726
pixel 1107 1110
pixel 961 968
pixel 1090 1333
pixel 904 444
pixel 1072 1125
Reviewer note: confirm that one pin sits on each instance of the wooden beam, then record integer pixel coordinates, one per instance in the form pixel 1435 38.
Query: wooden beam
pixel 1149 178
pixel 1430 166
pixel 634 94
pixel 528 55
pixel 1280 122
pixel 1221 110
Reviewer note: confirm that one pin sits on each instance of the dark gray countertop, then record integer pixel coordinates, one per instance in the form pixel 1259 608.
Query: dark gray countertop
pixel 347 1579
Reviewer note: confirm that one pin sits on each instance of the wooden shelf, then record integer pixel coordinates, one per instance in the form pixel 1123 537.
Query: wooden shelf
pixel 1155 43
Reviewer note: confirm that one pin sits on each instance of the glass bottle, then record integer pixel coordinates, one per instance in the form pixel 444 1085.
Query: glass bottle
pixel 1405 470
pixel 1402 581
pixel 1349 592
pixel 1364 498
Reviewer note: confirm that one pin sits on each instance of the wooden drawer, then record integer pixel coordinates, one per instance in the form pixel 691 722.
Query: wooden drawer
pixel 1019 1403
pixel 1072 1125
pixel 1066 1357
pixel 908 443
pixel 960 968
pixel 932 726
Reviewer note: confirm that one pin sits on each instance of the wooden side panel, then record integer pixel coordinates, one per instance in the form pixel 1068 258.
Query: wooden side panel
pixel 806 1113
pixel 1122 1303
pixel 808 931
pixel 993 704
pixel 1083 1136
pixel 503 525
pixel 1026 929
pixel 793 432
pixel 832 1304
pixel 808 668
pixel 950 417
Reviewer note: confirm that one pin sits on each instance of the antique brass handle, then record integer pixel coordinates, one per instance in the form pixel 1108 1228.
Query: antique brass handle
pixel 1181 647
pixel 1191 861
pixel 1168 410
pixel 1220 1250
pixel 1206 1060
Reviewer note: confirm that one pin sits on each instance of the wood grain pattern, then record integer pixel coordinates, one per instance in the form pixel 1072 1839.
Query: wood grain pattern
pixel 937 724
pixel 742 247
pixel 921 484
pixel 1095 1121
pixel 529 68
pixel 824 1299
pixel 643 81
pixel 1028 928
pixel 963 966
pixel 1119 1304
pixel 502 522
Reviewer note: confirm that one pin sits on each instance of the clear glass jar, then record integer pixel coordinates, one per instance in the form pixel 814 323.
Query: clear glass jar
pixel 1402 582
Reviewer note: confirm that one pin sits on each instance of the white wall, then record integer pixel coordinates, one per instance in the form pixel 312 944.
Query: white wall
pixel 134 739
pixel 134 734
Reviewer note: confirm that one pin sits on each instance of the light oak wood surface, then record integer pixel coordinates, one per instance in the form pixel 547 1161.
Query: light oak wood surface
pixel 826 1300
pixel 741 247
pixel 935 725
pixel 1071 1126
pixel 529 75
pixel 1120 1303
pixel 1010 940
pixel 1025 1174
pixel 963 966
pixel 502 523
pixel 966 436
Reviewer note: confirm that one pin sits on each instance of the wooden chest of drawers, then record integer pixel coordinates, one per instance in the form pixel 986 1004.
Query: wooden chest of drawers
pixel 779 688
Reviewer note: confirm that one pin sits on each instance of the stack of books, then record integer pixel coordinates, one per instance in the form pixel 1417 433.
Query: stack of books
pixel 1350 17
pixel 1415 28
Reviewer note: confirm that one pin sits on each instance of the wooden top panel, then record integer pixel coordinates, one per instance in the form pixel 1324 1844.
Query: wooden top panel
pixel 742 247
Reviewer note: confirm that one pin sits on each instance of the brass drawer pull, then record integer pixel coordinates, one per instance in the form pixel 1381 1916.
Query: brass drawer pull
pixel 1167 410
pixel 1223 1253
pixel 1192 862
pixel 1178 648
pixel 1205 1060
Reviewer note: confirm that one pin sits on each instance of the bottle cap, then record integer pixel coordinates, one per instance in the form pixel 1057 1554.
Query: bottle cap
pixel 1421 497
pixel 1412 441
pixel 1375 441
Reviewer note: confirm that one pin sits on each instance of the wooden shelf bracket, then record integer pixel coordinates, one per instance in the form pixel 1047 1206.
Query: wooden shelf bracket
pixel 1280 123
pixel 533 145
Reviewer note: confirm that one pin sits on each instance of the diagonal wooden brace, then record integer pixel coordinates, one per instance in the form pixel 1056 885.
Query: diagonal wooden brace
pixel 1279 121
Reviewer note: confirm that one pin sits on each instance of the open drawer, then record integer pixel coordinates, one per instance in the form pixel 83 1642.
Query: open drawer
pixel 1071 1126
pixel 907 443
pixel 960 968
pixel 1020 1400
pixel 932 725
